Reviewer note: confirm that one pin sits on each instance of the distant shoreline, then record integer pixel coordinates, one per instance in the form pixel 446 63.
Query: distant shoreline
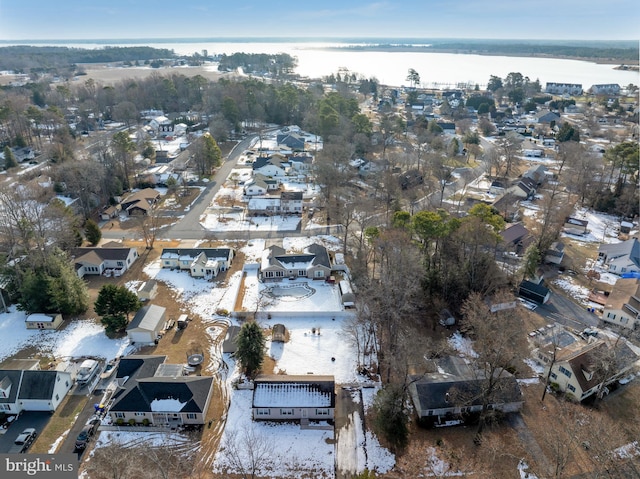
pixel 621 62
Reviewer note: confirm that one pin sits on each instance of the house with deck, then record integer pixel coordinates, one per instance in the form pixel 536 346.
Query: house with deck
pixel 97 261
pixel 300 398
pixel 151 392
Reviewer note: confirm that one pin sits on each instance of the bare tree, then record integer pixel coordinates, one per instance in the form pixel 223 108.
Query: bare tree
pixel 498 345
pixel 149 224
pixel 247 452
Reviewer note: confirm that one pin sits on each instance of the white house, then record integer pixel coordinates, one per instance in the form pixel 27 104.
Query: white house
pixel 313 263
pixel 96 261
pixel 146 325
pixel 200 262
pixel 32 390
pixel 620 258
pixel 271 166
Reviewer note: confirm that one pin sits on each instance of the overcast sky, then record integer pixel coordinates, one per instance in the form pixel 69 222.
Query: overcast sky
pixel 115 19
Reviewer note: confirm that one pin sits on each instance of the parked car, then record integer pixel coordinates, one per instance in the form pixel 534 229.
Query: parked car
pixel 23 441
pixel 86 433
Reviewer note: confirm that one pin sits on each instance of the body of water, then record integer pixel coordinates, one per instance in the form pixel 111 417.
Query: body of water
pixel 317 59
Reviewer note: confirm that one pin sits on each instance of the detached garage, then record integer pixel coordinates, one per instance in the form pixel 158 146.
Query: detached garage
pixel 534 292
pixel 146 325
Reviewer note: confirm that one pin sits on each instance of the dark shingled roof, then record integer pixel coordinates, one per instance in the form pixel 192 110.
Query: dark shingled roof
pixel 10 378
pixel 37 384
pixel 141 388
pixel 448 393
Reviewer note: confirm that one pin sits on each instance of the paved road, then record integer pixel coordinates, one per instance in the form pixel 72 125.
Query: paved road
pixel 564 310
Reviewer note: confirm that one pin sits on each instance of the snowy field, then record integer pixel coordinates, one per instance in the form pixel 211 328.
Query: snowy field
pixel 79 338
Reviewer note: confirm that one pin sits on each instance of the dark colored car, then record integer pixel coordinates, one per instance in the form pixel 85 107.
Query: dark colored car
pixel 88 430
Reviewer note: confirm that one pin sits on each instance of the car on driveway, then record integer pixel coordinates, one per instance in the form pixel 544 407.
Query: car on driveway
pixel 87 432
pixel 23 441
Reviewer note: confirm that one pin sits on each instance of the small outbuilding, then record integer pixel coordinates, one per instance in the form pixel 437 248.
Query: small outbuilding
pixel 278 333
pixel 534 292
pixel 148 290
pixel 146 325
pixel 43 321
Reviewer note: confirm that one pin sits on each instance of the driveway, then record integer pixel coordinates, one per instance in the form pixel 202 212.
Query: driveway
pixel 563 310
pixel 35 419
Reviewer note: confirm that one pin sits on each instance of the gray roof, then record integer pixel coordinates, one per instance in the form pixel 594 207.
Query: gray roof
pixel 148 317
pixel 37 384
pixel 210 253
pixel 630 248
pixel 10 377
pixel 142 387
pixel 514 233
pixel 112 254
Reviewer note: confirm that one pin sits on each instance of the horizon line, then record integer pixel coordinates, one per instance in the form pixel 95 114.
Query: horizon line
pixel 267 39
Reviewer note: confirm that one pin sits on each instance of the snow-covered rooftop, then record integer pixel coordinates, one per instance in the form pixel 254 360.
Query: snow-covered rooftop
pixel 290 395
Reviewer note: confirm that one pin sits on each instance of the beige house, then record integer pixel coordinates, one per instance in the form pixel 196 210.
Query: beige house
pixel 583 369
pixel 293 398
pixel 43 321
pixel 107 261
pixel 622 307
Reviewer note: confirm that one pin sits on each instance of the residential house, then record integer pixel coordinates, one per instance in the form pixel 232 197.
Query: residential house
pixel 535 292
pixel 273 166
pixel 547 117
pixel 97 261
pixel 152 392
pixel 525 188
pixel 577 368
pixel 605 89
pixel 161 125
pixel 575 226
pixel 453 390
pixel 146 325
pixel 263 206
pixel 626 227
pixel 621 258
pixel 516 238
pixel 291 140
pixel 508 205
pixel 448 127
pixel 201 262
pixel 301 163
pixel 291 202
pixel 32 390
pixel 555 253
pixel 498 187
pixel 563 88
pixel 410 178
pixel 293 398
pixel 43 321
pixel 537 174
pixel 622 306
pixel 313 263
pixel 110 212
pixel 140 202
pixel 256 186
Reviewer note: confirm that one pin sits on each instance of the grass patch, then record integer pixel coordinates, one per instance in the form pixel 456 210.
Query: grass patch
pixel 60 422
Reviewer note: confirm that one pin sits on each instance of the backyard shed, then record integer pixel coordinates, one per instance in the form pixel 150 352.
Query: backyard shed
pixel 148 290
pixel 43 321
pixel 278 333
pixel 146 325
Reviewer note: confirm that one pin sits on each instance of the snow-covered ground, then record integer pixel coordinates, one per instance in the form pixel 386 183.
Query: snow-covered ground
pixel 79 338
pixel 602 228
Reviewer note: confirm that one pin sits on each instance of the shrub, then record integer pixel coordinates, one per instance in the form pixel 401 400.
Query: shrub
pixel 145 422
pixel 132 422
pixel 119 421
